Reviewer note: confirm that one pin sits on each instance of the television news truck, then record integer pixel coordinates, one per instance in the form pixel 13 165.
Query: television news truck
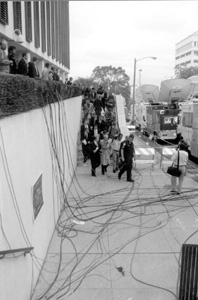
pixel 162 121
pixel 188 125
pixel 162 117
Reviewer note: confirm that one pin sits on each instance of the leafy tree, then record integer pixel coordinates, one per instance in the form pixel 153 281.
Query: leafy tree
pixel 85 82
pixel 185 72
pixel 114 80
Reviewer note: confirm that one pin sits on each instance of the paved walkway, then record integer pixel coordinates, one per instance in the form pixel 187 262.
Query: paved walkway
pixel 119 240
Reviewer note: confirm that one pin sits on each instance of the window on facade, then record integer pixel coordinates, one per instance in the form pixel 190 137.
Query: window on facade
pixel 43 27
pixel 195 44
pixel 196 61
pixel 182 55
pixel 57 30
pixel 195 52
pixel 188 62
pixel 4 12
pixel 28 21
pixel 177 57
pixel 184 48
pixel 36 25
pixel 188 53
pixel 17 15
pixel 53 29
pixel 48 28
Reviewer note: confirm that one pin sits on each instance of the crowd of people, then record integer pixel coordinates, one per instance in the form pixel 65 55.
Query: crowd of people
pixel 9 64
pixel 101 137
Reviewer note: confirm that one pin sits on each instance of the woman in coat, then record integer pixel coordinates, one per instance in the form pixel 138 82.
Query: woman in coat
pixel 105 153
pixel 183 158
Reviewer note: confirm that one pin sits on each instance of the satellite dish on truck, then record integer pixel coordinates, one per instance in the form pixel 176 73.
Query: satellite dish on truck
pixel 174 90
pixel 149 92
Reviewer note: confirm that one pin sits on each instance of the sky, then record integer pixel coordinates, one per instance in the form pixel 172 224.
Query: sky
pixel 104 33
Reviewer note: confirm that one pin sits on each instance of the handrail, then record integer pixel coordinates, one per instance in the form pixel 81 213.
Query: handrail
pixel 25 250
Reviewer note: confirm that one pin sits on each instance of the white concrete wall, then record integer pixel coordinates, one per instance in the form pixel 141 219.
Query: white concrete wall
pixel 121 115
pixel 25 153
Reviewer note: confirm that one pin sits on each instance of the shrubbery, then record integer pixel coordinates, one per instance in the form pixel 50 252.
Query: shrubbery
pixel 20 93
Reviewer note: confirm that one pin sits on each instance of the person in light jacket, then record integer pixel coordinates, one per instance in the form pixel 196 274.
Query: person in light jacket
pixel 183 158
pixel 105 144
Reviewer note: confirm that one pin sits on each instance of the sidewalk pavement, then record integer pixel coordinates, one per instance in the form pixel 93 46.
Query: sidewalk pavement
pixel 120 240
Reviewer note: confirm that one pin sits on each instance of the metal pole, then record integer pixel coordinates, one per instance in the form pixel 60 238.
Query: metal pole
pixel 134 74
pixel 140 70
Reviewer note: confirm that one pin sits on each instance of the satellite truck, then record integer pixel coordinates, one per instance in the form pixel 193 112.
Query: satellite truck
pixel 162 117
pixel 188 118
pixel 146 94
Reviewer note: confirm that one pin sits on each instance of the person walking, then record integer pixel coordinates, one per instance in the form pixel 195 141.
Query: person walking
pixel 121 144
pixel 94 155
pixel 84 137
pixel 127 154
pixel 115 146
pixel 98 106
pixel 183 158
pixel 113 130
pixel 105 153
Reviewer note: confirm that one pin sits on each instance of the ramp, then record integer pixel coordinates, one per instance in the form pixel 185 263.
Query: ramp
pixel 121 115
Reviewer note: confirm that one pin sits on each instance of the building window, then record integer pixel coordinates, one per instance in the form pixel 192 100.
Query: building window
pixel 36 25
pixel 195 44
pixel 188 53
pixel 53 29
pixel 185 63
pixel 28 21
pixel 57 30
pixel 43 27
pixel 177 57
pixel 182 55
pixel 195 52
pixel 196 61
pixel 48 28
pixel 4 12
pixel 17 15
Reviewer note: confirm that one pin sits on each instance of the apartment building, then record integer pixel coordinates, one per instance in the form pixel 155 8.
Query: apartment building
pixel 186 52
pixel 40 28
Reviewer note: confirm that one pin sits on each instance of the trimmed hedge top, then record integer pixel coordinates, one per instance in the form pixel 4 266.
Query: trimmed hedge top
pixel 20 93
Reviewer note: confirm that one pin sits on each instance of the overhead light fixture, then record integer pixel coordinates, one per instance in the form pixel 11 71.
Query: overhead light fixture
pixel 19 38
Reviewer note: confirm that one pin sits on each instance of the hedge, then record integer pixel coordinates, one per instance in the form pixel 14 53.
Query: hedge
pixel 20 93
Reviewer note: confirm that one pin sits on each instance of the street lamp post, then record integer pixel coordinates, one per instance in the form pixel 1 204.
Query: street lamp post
pixel 134 78
pixel 140 70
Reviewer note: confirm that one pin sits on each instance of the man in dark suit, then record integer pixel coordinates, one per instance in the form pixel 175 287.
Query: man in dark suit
pixel 22 66
pixel 33 70
pixel 92 95
pixel 94 155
